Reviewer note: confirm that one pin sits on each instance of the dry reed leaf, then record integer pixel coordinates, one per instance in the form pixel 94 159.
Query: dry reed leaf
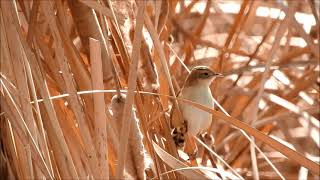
pixel 273 143
pixel 160 51
pixel 88 27
pixel 175 163
pixel 297 157
pixel 23 131
pixel 293 108
pixel 219 158
pixel 70 87
pixel 45 59
pixel 199 27
pixel 232 32
pixel 31 58
pixel 261 122
pixel 254 111
pixel 71 135
pixel 42 135
pixel 305 115
pixel 164 65
pixel 127 113
pixel 163 16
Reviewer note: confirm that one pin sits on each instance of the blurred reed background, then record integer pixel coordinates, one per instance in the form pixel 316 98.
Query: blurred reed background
pixel 64 64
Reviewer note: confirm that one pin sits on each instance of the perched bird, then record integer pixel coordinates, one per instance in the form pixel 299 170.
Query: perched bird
pixel 194 121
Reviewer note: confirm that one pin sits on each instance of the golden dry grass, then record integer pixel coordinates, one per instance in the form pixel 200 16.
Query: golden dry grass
pixel 65 63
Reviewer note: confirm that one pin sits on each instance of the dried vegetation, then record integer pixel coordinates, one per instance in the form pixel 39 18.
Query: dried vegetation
pixel 65 64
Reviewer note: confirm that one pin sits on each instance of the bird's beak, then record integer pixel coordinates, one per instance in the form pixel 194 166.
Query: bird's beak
pixel 218 75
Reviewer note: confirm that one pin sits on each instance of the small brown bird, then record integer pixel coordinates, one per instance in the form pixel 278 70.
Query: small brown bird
pixel 194 121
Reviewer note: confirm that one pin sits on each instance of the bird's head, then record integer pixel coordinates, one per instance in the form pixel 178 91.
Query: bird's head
pixel 201 75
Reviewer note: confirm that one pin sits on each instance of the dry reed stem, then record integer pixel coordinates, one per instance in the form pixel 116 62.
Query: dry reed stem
pixel 175 163
pixel 127 113
pixel 46 59
pixel 100 136
pixel 257 134
pixel 232 32
pixel 70 87
pixel 280 32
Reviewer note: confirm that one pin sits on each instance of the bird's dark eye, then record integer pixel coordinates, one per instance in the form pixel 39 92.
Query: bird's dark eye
pixel 204 75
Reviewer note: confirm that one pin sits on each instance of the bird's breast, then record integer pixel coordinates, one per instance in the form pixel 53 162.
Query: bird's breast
pixel 198 120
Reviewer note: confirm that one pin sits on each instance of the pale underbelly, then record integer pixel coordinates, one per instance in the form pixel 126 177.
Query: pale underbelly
pixel 198 121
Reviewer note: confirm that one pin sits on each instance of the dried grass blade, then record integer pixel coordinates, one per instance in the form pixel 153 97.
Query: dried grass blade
pixel 162 57
pixel 175 163
pixel 42 137
pixel 306 116
pixel 204 169
pixel 23 130
pixel 254 113
pixel 218 157
pixel 291 107
pixel 70 86
pixel 65 160
pixel 17 58
pixel 291 154
pixel 132 82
